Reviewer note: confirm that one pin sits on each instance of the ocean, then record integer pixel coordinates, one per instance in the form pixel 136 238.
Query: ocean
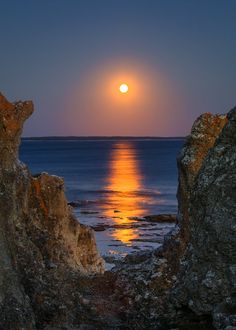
pixel 113 183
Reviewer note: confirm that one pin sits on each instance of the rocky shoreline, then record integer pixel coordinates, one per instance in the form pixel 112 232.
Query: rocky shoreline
pixel 149 231
pixel 52 276
pixel 118 234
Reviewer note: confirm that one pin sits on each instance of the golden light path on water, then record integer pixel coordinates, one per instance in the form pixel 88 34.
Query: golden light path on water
pixel 125 181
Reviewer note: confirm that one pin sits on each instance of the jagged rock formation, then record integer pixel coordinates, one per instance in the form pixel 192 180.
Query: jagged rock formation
pixel 41 242
pixel 204 132
pixel 207 281
pixel 55 230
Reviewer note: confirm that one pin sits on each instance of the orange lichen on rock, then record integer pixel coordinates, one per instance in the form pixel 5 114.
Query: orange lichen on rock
pixel 67 240
pixel 38 233
pixel 204 133
pixel 37 193
pixel 12 118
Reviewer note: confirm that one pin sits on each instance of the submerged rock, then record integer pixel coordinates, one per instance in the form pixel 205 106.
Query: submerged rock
pixel 74 204
pixel 88 212
pixel 100 227
pixel 161 218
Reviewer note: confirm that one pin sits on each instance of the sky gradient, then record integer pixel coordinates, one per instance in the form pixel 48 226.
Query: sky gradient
pixel 69 57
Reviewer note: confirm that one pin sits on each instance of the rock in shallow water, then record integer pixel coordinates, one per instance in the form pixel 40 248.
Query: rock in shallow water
pixel 161 218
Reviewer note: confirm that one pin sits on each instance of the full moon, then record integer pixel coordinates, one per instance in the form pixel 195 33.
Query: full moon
pixel 124 88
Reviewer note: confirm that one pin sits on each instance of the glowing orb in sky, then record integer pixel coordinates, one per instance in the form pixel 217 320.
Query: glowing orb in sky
pixel 124 88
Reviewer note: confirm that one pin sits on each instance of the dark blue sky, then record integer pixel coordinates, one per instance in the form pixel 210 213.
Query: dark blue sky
pixel 52 51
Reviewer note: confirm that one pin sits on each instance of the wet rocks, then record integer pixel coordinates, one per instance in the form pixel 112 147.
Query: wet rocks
pixel 74 204
pixel 100 227
pixel 156 218
pixel 161 218
pixel 88 212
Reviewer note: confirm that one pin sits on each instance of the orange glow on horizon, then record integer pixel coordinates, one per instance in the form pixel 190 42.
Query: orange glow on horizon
pixel 99 106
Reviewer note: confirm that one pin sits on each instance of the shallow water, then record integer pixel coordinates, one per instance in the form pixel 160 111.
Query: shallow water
pixel 113 182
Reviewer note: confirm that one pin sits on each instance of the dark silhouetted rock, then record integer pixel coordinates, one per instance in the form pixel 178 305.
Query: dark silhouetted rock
pixel 74 204
pixel 161 218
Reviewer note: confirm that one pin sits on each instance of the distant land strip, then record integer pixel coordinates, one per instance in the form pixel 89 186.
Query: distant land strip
pixel 104 138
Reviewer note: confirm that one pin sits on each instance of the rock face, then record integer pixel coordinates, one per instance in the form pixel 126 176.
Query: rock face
pixel 204 132
pixel 190 282
pixel 207 281
pixel 62 238
pixel 41 242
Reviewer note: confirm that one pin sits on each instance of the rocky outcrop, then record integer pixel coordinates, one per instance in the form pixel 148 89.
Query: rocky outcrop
pixel 204 132
pixel 190 281
pixel 207 280
pixel 42 244
pixel 62 238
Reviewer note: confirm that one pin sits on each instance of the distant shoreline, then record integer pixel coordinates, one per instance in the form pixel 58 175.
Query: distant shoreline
pixel 104 138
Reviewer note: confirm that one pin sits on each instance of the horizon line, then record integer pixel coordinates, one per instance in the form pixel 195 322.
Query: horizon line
pixel 102 137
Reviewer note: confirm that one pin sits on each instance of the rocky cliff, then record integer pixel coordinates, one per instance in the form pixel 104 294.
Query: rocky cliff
pixel 190 282
pixel 42 244
pixel 207 280
pixel 204 132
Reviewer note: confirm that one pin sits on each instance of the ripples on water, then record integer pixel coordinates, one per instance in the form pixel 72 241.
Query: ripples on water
pixel 114 181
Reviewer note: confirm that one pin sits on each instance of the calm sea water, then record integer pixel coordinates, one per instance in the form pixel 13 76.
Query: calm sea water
pixel 113 183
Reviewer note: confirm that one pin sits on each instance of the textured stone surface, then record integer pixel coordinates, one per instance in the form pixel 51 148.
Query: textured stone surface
pixel 41 243
pixel 189 283
pixel 62 238
pixel 207 284
pixel 204 132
